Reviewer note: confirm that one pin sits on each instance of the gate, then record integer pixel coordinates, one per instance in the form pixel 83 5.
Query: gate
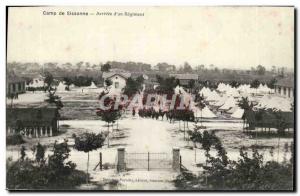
pixel 148 161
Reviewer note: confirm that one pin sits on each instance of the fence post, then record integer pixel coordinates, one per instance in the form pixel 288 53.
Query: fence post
pixel 180 163
pixel 100 160
pixel 121 159
pixel 148 161
pixel 176 159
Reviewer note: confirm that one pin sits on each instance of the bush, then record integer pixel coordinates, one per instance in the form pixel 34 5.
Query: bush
pixel 187 181
pixel 15 139
pixel 26 175
pixel 55 174
pixel 247 173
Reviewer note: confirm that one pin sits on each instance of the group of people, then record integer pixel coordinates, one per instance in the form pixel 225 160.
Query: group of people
pixel 151 113
pixel 171 115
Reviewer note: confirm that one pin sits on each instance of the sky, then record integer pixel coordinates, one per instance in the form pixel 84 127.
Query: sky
pixel 227 37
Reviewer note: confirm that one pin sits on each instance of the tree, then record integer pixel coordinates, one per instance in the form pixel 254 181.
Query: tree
pixel 261 70
pixel 68 82
pixel 255 83
pixel 48 80
pixel 108 83
pixel 79 65
pixel 106 67
pixel 110 114
pixel 52 98
pixel 191 84
pixel 162 67
pixel 166 85
pixel 82 80
pixel 23 153
pixel 56 161
pixel 234 84
pixel 86 143
pixel 208 139
pixel 187 67
pixel 199 100
pixel 245 104
pixel 196 137
pixel 133 86
pixel 281 123
pixel 271 83
pixel 40 153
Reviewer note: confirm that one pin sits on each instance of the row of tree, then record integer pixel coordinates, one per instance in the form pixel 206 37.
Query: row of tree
pixel 79 81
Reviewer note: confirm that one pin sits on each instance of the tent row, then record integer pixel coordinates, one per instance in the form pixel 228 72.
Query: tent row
pixel 62 86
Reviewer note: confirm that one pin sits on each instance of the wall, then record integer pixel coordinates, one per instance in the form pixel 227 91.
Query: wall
pixel 118 79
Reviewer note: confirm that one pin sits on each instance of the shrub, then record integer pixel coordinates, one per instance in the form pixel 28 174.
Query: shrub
pixel 55 174
pixel 247 173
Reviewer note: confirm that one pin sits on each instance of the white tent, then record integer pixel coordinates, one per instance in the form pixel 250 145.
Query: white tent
pixel 243 88
pixel 229 103
pixel 92 85
pixel 205 92
pixel 61 87
pixel 232 92
pixel 264 89
pixel 275 102
pixel 213 96
pixel 206 113
pixel 223 87
pixel 238 113
pixel 220 102
pixel 232 110
pixel 72 86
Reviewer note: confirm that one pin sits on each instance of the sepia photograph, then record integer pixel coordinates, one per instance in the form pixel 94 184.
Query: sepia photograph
pixel 157 98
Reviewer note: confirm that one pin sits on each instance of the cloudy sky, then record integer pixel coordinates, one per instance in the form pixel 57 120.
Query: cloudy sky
pixel 237 37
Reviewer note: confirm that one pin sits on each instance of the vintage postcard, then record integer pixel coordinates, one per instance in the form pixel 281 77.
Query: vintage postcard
pixel 150 98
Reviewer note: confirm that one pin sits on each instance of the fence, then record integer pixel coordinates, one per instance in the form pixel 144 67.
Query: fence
pixel 148 161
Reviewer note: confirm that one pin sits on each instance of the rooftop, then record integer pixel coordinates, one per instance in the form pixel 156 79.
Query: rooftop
pixel 110 74
pixel 31 116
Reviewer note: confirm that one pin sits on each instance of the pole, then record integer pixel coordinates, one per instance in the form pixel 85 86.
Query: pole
pixel 195 154
pixel 108 135
pixel 278 150
pixel 87 169
pixel 100 160
pixel 180 163
pixel 148 161
pixel 184 130
pixel 201 119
